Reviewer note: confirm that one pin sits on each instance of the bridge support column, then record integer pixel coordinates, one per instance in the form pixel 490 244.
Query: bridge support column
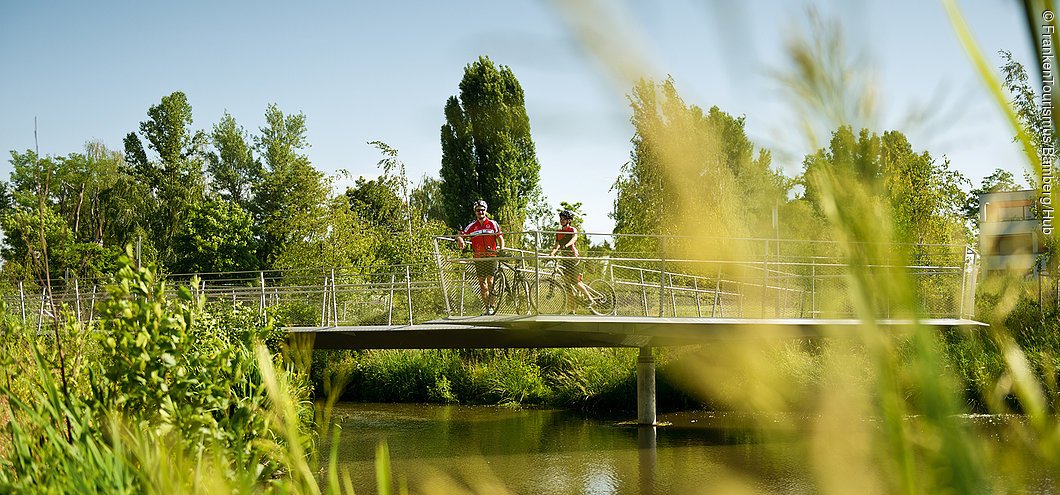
pixel 645 387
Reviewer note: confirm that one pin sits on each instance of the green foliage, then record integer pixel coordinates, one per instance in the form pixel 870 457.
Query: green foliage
pixel 175 183
pixel 291 201
pixel 164 396
pixel 166 364
pixel 396 226
pixel 999 181
pixel 61 210
pixel 692 172
pixel 232 167
pixel 487 150
pixel 922 198
pixel 218 236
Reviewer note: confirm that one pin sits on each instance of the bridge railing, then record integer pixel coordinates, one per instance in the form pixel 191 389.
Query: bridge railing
pixel 677 276
pixel 651 275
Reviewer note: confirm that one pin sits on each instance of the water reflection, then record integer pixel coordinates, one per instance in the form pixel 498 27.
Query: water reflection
pixel 485 449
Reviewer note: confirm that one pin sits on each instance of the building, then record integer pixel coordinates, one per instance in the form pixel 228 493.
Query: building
pixel 1010 234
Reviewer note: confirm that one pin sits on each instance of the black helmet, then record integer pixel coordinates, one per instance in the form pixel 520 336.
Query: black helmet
pixel 479 203
pixel 566 214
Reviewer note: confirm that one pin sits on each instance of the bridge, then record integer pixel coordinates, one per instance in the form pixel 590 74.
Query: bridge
pixel 655 291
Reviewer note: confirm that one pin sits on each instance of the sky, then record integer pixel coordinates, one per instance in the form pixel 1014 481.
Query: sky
pixel 366 71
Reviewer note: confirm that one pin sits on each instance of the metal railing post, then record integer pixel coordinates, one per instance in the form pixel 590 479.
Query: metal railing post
pixel 964 282
pixel 261 275
pixel 765 282
pixel 662 280
pixel 324 302
pixel 813 288
pixel 334 300
pixel 40 316
pixel 695 288
pixel 390 301
pixel 717 294
pixel 537 272
pixel 92 304
pixel 408 287
pixel 643 291
pixel 673 295
pixel 77 299
pixel 441 278
pixel 22 300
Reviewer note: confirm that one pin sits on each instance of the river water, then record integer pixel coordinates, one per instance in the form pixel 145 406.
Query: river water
pixel 493 450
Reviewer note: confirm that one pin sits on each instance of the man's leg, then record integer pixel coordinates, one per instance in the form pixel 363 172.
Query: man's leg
pixel 484 285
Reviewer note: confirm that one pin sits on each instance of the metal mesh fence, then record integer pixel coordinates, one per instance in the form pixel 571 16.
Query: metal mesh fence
pixel 734 278
pixel 641 276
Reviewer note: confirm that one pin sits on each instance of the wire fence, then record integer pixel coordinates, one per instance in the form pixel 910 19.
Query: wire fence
pixel 644 276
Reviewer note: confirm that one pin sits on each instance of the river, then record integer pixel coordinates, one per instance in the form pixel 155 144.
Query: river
pixel 534 451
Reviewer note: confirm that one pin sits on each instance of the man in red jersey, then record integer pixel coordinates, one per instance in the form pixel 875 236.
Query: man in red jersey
pixel 486 241
pixel 566 238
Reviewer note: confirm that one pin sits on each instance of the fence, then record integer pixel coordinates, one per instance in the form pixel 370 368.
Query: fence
pixel 738 278
pixel 651 276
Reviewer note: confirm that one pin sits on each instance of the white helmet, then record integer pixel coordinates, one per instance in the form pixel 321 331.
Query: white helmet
pixel 479 203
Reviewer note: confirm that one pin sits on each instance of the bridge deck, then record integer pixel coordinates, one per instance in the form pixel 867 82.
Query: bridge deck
pixel 587 331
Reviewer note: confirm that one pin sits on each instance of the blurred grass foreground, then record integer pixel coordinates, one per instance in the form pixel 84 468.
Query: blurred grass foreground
pixel 168 395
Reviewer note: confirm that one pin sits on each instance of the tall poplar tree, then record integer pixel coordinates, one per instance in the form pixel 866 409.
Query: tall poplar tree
pixel 291 199
pixel 487 151
pixel 692 172
pixel 175 181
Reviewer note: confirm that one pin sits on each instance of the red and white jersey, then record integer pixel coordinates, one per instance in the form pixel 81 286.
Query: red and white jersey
pixel 484 242
pixel 563 236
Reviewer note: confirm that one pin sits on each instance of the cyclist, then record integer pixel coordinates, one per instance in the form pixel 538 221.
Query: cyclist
pixel 566 238
pixel 486 241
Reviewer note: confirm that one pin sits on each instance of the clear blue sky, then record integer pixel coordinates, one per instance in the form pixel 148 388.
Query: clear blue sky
pixel 363 71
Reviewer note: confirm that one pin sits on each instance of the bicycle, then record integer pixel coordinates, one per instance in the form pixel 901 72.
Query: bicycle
pixel 555 291
pixel 511 288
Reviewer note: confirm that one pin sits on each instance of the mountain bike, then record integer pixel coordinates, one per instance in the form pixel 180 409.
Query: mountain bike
pixel 554 292
pixel 511 287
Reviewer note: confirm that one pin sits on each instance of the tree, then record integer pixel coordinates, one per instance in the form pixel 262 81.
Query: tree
pixel 922 196
pixel 999 181
pixel 692 172
pixel 426 200
pixel 56 221
pixel 290 202
pixel 175 183
pixel 487 151
pixel 218 237
pixel 232 165
pixel 396 221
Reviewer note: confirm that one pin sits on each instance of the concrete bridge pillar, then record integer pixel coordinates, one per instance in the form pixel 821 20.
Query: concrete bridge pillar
pixel 646 387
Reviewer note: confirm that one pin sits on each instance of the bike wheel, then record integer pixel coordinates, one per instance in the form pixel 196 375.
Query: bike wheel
pixel 521 290
pixel 553 298
pixel 498 292
pixel 603 293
